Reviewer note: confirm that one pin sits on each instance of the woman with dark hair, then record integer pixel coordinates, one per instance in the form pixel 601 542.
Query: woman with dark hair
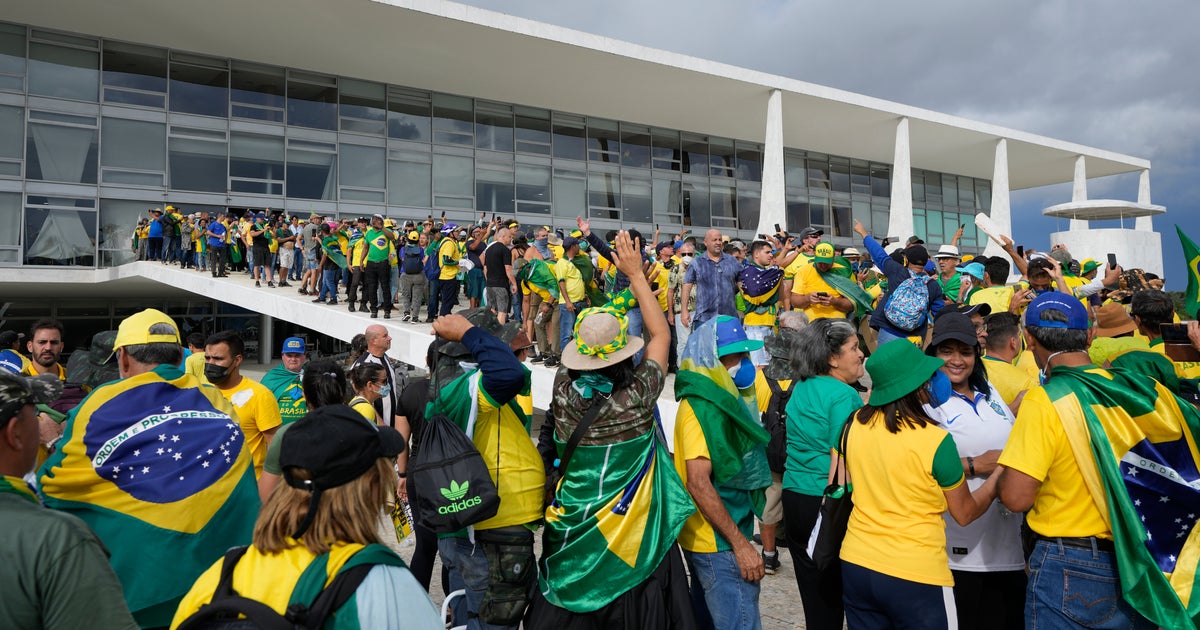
pixel 370 384
pixel 985 557
pixel 609 553
pixel 826 360
pixel 906 473
pixel 324 383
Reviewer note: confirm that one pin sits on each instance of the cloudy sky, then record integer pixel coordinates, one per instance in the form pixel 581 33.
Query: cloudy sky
pixel 1111 74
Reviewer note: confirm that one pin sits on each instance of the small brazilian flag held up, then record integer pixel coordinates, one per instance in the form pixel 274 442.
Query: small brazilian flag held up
pixel 1191 254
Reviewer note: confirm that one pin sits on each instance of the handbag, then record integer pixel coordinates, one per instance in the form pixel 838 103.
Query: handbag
pixel 825 541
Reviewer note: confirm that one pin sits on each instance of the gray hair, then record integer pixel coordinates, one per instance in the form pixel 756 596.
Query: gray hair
pixel 795 320
pixel 818 342
pixel 157 353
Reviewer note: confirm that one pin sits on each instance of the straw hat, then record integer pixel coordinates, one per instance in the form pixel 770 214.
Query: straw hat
pixel 599 329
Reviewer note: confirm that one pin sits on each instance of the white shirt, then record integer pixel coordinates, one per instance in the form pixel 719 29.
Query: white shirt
pixel 993 541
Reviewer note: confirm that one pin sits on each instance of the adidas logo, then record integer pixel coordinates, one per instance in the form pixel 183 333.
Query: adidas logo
pixel 456 491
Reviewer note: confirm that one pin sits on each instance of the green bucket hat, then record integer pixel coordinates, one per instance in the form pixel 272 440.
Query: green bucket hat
pixel 898 368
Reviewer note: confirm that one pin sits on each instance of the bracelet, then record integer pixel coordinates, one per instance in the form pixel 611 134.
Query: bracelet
pixel 970 465
pixel 404 475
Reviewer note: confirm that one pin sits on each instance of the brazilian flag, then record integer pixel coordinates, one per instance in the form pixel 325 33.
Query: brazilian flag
pixel 156 465
pixel 333 249
pixel 1191 253
pixel 538 275
pixel 1136 446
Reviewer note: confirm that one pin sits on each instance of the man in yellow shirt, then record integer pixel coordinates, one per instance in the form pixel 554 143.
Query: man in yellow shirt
pixel 1003 345
pixel 812 294
pixel 809 237
pixel 572 291
pixel 450 251
pixel 45 346
pixel 257 410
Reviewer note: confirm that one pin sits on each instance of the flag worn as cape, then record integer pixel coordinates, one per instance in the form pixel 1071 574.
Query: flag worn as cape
pixel 1136 447
pixel 156 465
pixel 288 393
pixel 849 288
pixel 619 509
pixel 541 277
pixel 1191 253
pixel 333 250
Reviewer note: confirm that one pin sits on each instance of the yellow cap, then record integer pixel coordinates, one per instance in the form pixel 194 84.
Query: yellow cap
pixel 389 223
pixel 135 329
pixel 170 208
pixel 414 235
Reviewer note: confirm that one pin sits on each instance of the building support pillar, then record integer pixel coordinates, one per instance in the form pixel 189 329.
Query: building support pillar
pixel 900 215
pixel 1001 212
pixel 1146 223
pixel 266 338
pixel 1079 190
pixel 773 204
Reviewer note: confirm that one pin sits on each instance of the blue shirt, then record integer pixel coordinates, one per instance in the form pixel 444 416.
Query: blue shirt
pixel 897 273
pixel 716 286
pixel 216 227
pixel 156 229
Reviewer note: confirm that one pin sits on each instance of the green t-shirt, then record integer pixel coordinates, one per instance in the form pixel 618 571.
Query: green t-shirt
pixel 377 245
pixel 816 412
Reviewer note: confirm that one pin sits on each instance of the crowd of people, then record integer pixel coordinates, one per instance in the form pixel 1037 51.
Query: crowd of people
pixel 1020 454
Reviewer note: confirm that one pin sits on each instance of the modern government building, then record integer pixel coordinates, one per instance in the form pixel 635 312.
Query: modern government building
pixel 417 107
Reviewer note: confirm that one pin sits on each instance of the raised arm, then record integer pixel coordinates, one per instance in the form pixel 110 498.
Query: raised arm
pixel 629 261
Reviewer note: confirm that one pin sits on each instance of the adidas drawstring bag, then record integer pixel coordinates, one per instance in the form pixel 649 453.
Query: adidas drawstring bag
pixel 455 487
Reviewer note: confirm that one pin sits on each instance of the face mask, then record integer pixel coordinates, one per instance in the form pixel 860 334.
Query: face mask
pixel 542 241
pixel 940 389
pixel 687 258
pixel 385 391
pixel 743 373
pixel 215 373
pixel 854 267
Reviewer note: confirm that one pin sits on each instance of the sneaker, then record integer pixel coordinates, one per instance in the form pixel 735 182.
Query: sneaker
pixel 352 307
pixel 271 285
pixel 770 563
pixel 284 283
pixel 538 358
pixel 318 301
pixel 387 314
pixel 257 283
pixel 333 302
pixel 374 314
pixel 551 361
pixel 362 306
pixel 429 320
pixel 406 318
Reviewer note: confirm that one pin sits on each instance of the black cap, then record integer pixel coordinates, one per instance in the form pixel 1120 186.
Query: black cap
pixel 914 240
pixel 810 231
pixel 336 444
pixel 953 325
pixel 9 337
pixel 983 309
pixel 916 254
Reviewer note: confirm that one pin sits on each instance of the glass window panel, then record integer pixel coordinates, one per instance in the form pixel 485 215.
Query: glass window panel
pixel 795 174
pixel 933 225
pixel 635 146
pixel 604 143
pixel 133 179
pixel 10 219
pixel 950 190
pixel 363 167
pixel 117 220
pixel 312 105
pixel 533 183
pixel 453 120
pixel 879 222
pixel 135 67
pixel 666 198
pixel 966 192
pixel 409 183
pixel 665 149
pixel 494 190
pixel 970 236
pixel 494 128
pixel 12 49
pixel 861 211
pixel 881 182
pixel 604 195
pixel 933 187
pixel 724 202
pixel 918 186
pixel 59 153
pixel 722 157
pixel 408 118
pixel 818 172
pixel 569 137
pixel 983 195
pixel 570 193
pixel 637 200
pixel 749 201
pixel 749 162
pixel 134 144
pixel 533 130
pixel 797 211
pixel 12 131
pixel 63 72
pixel 256 156
pixel 860 179
pixel 202 90
pixel 950 223
pixel 198 165
pixel 839 176
pixel 119 96
pixel 253 84
pixel 695 204
pixel 919 227
pixel 453 175
pixel 694 154
pixel 311 174
pixel 842 223
pixel 363 106
pixel 55 236
pixel 818 211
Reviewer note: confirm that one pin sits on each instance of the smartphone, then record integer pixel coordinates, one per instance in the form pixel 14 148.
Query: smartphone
pixel 1112 261
pixel 777 230
pixel 1176 343
pixel 822 294
pixel 1021 251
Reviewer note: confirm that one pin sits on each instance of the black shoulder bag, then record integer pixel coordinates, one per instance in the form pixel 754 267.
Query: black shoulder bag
pixel 554 475
pixel 825 542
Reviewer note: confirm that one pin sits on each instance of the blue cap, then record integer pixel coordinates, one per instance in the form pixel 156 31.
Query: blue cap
pixel 1077 317
pixel 731 337
pixel 293 345
pixel 971 269
pixel 10 361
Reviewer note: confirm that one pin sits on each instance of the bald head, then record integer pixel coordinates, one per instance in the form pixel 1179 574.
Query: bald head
pixel 378 340
pixel 713 244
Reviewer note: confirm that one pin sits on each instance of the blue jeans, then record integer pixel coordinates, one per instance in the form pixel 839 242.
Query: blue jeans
pixel 329 284
pixel 1070 587
pixel 566 322
pixel 719 590
pixel 468 569
pixel 634 316
pixel 877 600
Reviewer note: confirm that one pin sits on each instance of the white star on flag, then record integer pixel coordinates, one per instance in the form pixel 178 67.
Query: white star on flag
pixel 137 453
pixel 210 451
pixel 1137 502
pixel 174 438
pixel 145 470
pixel 167 409
pixel 1171 558
pixel 1192 516
pixel 1132 471
pixel 160 451
pixel 1164 499
pixel 116 469
pixel 1178 520
pixel 1149 536
pixel 205 464
pixel 178 456
pixel 162 437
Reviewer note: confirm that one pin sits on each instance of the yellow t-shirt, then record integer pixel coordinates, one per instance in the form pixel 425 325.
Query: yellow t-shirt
pixel 448 249
pixel 1026 362
pixel 663 277
pixel 1038 447
pixel 801 261
pixel 1183 369
pixel 697 534
pixel 194 365
pixel 567 273
pixel 258 412
pixel 521 485
pixel 1009 379
pixel 364 409
pixel 996 297
pixel 900 480
pixel 809 280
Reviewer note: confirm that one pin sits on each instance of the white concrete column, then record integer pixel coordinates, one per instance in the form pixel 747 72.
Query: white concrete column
pixel 1001 212
pixel 1079 190
pixel 266 338
pixel 773 206
pixel 1144 224
pixel 900 219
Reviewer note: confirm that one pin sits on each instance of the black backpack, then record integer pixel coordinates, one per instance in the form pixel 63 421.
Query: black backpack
pixel 230 611
pixel 456 488
pixel 412 259
pixel 774 420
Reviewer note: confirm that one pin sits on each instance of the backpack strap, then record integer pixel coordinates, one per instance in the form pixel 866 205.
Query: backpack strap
pixel 330 599
pixel 226 604
pixel 589 417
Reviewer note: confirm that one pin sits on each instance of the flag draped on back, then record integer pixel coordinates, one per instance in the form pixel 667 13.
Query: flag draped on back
pixel 155 464
pixel 1136 446
pixel 1191 253
pixel 538 274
